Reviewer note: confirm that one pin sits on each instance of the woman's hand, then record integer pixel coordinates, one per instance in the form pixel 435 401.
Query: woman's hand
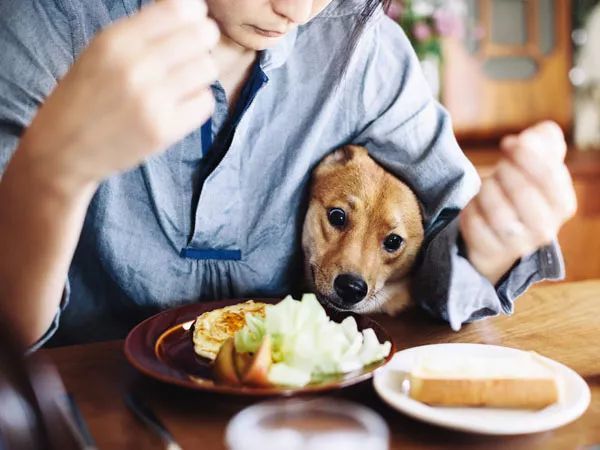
pixel 523 204
pixel 141 85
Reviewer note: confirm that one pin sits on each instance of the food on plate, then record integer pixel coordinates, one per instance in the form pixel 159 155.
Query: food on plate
pixel 293 344
pixel 213 328
pixel 235 368
pixel 523 381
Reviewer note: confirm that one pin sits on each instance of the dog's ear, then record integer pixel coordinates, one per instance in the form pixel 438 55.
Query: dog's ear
pixel 344 155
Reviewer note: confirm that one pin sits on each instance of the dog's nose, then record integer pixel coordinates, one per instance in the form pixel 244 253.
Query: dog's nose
pixel 351 288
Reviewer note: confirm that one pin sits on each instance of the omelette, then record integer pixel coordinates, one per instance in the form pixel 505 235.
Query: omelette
pixel 214 327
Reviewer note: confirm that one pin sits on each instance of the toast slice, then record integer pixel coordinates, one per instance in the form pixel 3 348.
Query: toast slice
pixel 524 381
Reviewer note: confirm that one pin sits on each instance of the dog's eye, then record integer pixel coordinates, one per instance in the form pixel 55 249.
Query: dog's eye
pixel 337 217
pixel 392 243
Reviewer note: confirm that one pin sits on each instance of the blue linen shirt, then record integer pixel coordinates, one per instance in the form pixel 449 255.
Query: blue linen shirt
pixel 174 231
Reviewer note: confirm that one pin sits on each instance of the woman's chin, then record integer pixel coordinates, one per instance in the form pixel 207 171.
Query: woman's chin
pixel 252 40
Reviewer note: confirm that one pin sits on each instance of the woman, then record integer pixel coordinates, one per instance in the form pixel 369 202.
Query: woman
pixel 119 202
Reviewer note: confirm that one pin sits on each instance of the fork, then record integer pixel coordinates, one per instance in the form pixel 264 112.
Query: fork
pixel 147 416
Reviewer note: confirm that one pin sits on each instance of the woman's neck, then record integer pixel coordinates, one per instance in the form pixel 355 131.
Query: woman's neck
pixel 235 65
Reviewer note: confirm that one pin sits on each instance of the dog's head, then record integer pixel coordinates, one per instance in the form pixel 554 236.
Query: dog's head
pixel 363 228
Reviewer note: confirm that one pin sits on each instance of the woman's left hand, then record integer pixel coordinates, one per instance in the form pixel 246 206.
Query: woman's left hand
pixel 523 204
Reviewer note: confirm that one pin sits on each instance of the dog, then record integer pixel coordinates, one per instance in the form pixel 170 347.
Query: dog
pixel 361 235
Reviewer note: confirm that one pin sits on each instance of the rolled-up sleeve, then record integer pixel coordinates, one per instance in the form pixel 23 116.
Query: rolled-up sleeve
pixel 35 52
pixel 54 325
pixel 411 135
pixel 448 286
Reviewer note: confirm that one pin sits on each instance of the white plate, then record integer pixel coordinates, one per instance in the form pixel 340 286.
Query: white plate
pixel 574 396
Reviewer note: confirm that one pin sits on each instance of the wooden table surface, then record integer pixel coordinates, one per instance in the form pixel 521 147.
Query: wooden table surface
pixel 561 321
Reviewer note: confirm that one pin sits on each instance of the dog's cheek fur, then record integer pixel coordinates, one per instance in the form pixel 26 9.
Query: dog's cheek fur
pixel 398 297
pixel 314 231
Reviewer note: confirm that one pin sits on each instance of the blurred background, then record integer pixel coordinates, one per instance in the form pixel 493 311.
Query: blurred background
pixel 502 65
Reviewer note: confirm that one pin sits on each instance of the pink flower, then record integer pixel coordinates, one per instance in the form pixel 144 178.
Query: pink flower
pixel 395 10
pixel 421 31
pixel 446 23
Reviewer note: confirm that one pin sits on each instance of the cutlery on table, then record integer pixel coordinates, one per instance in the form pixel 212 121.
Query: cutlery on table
pixel 145 414
pixel 79 425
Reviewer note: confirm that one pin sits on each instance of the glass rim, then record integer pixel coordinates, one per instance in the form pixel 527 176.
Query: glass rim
pixel 246 423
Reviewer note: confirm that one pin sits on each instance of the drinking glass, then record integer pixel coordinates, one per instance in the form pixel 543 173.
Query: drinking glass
pixel 316 424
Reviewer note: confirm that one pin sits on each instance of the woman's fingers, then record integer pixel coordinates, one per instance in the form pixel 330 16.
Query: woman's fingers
pixel 161 59
pixel 529 204
pixel 192 112
pixel 548 133
pixel 475 230
pixel 161 18
pixel 129 50
pixel 187 79
pixel 184 44
pixel 501 216
pixel 539 153
pixel 485 250
pixel 553 137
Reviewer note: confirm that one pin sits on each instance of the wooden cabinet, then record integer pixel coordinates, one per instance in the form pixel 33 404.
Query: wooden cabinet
pixel 513 74
pixel 580 237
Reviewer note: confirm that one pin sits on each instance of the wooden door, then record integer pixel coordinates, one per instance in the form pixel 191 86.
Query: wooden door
pixel 515 74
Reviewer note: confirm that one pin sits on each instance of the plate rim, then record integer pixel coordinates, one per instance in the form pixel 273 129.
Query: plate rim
pixel 242 391
pixel 579 407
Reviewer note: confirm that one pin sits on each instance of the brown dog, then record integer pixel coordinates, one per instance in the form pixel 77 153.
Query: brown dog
pixel 362 232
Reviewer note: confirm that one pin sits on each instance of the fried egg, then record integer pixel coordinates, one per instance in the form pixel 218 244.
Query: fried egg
pixel 214 327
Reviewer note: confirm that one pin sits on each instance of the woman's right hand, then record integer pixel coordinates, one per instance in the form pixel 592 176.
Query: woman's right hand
pixel 141 85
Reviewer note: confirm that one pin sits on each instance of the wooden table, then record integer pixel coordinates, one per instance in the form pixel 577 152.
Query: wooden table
pixel 561 321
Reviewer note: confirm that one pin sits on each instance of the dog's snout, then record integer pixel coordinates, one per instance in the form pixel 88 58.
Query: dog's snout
pixel 351 288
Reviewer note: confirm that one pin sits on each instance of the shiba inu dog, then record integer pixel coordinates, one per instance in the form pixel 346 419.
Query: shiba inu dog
pixel 362 232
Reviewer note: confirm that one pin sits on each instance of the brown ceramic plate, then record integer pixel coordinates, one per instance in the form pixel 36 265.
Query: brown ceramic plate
pixel 161 347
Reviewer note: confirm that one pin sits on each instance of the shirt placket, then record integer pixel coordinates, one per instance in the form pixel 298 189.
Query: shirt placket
pixel 217 214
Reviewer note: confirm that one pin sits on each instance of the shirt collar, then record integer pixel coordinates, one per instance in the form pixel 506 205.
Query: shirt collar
pixel 276 56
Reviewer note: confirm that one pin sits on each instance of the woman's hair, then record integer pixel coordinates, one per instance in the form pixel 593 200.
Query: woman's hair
pixel 369 9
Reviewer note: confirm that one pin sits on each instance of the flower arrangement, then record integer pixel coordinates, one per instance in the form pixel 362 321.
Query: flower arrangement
pixel 426 22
